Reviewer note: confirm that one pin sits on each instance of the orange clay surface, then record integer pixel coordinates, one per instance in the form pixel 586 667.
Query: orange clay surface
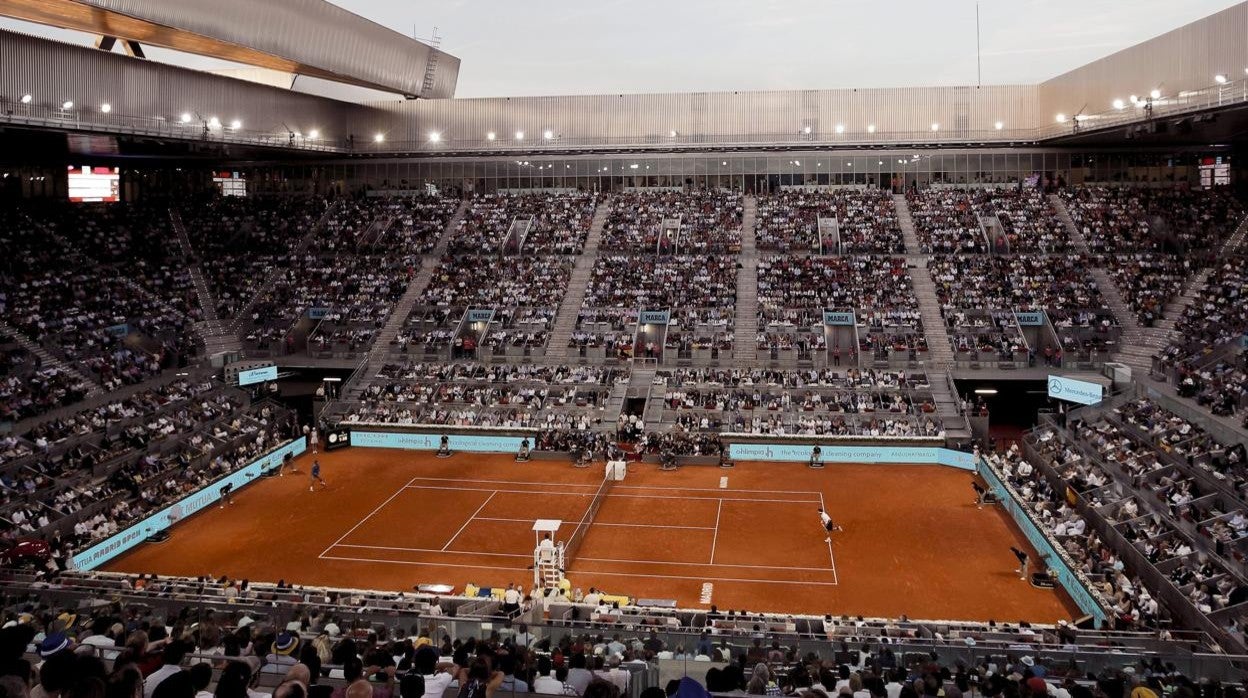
pixel 913 543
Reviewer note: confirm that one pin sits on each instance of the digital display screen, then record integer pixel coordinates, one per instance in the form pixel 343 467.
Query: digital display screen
pixel 257 375
pixel 94 184
pixel 431 442
pixel 230 183
pixel 873 455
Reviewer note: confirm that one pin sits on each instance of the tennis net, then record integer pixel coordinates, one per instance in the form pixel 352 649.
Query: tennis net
pixel 582 528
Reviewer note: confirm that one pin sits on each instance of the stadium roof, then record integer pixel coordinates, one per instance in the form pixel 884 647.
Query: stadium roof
pixel 307 37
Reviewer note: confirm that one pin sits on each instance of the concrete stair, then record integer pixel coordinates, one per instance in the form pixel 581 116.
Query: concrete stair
pixel 217 337
pixel 1079 242
pixel 939 349
pixel 1138 344
pixel 244 313
pixel 906 222
pixel 47 360
pixel 948 406
pixel 746 321
pixel 570 308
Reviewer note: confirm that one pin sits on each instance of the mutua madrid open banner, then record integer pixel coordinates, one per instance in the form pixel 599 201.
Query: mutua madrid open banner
pixel 431 442
pixel 126 539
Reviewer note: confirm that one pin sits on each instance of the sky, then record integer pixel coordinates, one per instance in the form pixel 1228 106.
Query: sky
pixel 562 47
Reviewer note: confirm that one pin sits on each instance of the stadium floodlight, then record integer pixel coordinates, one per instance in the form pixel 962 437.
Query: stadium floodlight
pixel 724 163
pixel 1134 99
pixel 548 134
pixel 632 166
pixel 490 136
pixel 1220 78
pixel 379 138
pixel 1061 118
pixel 1155 94
pixel 840 128
pixel 672 133
pixel 806 130
pixel 214 122
pixel 434 137
pixel 236 124
pixel 870 128
pixel 519 135
pixel 1118 104
pixel 67 105
pixel 314 134
pixel 935 127
pixel 998 125
pixel 185 118
pixel 797 163
pixel 106 108
pixel 849 164
pixel 27 98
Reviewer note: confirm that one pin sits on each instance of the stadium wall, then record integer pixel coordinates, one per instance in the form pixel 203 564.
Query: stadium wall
pixel 1184 59
pixel 898 114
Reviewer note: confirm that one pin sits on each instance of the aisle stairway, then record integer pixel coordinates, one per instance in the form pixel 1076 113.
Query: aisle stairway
pixel 1079 242
pixel 47 360
pixel 570 308
pixel 948 406
pixel 939 350
pixel 376 358
pixel 907 224
pixel 1138 344
pixel 217 337
pixel 746 322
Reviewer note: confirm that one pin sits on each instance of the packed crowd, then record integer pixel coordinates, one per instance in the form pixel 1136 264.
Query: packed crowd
pixel 866 222
pixel 239 240
pixel 946 221
pixel 555 223
pixel 1029 221
pixel 402 226
pixel 1135 218
pixel 490 282
pixel 28 389
pixel 709 223
pixel 527 395
pixel 650 283
pixel 1148 282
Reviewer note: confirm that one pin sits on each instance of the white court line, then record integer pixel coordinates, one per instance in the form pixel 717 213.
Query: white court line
pixel 429 550
pixel 366 518
pixel 605 574
pixel 701 564
pixel 829 537
pixel 715 539
pixel 604 523
pixel 499 482
pixel 470 518
pixel 613 495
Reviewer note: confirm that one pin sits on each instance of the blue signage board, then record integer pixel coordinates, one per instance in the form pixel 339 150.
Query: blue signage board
pixel 317 313
pixel 478 443
pixel 800 453
pixel 1071 390
pixel 654 317
pixel 131 536
pixel 257 375
pixel 1030 318
pixel 832 317
pixel 480 314
pixel 118 330
pixel 1055 563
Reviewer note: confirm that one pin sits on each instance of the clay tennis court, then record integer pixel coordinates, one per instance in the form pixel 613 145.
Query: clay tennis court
pixel 914 543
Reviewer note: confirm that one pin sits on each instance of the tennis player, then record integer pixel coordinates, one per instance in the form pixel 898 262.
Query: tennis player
pixel 316 476
pixel 828 525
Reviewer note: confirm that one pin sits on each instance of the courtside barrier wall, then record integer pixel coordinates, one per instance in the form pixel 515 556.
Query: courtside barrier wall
pixel 852 454
pixel 136 533
pixel 1070 581
pixel 477 443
